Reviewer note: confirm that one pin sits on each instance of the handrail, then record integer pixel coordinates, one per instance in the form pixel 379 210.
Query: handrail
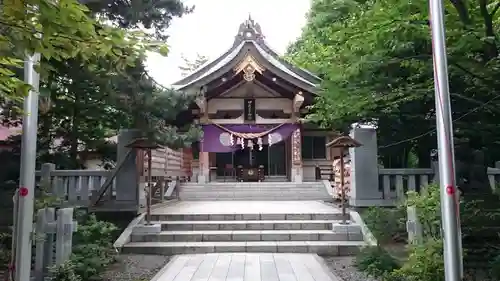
pixel 95 198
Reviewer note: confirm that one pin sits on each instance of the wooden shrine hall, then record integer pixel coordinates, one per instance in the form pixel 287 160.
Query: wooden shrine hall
pixel 251 104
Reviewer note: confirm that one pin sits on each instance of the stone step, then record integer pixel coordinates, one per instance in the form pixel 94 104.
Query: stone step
pixel 251 192
pixel 249 198
pixel 211 196
pixel 248 225
pixel 338 248
pixel 245 217
pixel 278 187
pixel 251 189
pixel 247 235
pixel 256 184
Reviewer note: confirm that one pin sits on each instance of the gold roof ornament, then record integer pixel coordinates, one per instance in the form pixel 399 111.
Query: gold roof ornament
pixel 249 66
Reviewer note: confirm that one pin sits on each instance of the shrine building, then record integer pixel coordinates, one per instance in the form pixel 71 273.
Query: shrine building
pixel 250 104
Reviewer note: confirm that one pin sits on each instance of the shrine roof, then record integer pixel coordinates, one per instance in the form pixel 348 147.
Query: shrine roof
pixel 249 42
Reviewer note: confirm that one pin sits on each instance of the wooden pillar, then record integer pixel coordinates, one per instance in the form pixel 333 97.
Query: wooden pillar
pixel 297 171
pixel 187 161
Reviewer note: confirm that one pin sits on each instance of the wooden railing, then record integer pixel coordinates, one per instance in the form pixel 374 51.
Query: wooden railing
pixel 165 162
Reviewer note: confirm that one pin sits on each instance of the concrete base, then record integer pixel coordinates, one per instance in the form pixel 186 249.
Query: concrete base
pixel 147 229
pixel 349 227
pixel 202 179
pixel 356 202
pixel 350 231
pixel 297 172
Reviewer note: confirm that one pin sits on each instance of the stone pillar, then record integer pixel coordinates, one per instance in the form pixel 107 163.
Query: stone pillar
pixel 127 180
pixel 364 169
pixel 297 169
pixel 203 174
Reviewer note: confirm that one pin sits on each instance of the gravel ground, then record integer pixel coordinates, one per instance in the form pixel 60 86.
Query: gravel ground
pixel 343 267
pixel 135 267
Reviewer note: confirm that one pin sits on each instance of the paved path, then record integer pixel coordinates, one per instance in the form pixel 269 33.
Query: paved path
pixel 246 267
pixel 246 207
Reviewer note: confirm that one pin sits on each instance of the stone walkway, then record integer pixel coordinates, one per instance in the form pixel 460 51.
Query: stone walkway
pixel 246 267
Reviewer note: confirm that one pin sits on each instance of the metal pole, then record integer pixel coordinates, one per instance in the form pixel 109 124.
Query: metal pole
pixel 27 181
pixel 449 204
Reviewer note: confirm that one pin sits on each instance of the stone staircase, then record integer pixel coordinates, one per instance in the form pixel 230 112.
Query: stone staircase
pixel 254 191
pixel 244 231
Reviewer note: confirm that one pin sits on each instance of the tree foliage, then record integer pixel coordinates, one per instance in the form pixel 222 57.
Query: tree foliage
pixel 94 80
pixel 58 30
pixel 191 65
pixel 375 58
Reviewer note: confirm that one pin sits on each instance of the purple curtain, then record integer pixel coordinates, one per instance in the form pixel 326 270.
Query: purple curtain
pixel 216 139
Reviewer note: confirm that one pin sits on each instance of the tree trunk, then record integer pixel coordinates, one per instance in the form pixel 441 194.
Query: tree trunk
pixel 73 138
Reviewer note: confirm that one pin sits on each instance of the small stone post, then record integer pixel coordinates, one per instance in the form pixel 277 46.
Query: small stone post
pixel 413 226
pixel 46 178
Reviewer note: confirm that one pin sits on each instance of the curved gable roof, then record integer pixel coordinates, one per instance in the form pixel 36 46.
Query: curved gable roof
pixel 250 34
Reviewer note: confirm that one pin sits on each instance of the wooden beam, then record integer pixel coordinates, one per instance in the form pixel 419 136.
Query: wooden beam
pixel 280 82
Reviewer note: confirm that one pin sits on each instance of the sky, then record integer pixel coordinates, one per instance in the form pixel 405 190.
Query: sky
pixel 211 28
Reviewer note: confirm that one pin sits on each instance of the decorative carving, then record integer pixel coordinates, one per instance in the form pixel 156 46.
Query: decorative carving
pixel 249 66
pixel 249 73
pixel 249 30
pixel 298 100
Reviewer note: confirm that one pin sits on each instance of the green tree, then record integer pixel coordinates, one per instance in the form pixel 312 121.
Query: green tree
pixel 87 104
pixel 191 65
pixel 377 64
pixel 58 30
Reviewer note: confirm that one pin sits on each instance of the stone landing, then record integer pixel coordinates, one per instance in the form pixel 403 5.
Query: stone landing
pixel 278 191
pixel 246 267
pixel 246 226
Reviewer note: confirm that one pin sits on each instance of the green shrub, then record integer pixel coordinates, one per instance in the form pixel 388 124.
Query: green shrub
pixel 92 247
pixel 5 245
pixel 385 224
pixel 428 205
pixel 425 263
pixel 495 268
pixel 375 261
pixel 64 272
pixel 425 260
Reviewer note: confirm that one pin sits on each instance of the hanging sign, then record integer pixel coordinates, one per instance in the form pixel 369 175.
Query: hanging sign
pixel 249 108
